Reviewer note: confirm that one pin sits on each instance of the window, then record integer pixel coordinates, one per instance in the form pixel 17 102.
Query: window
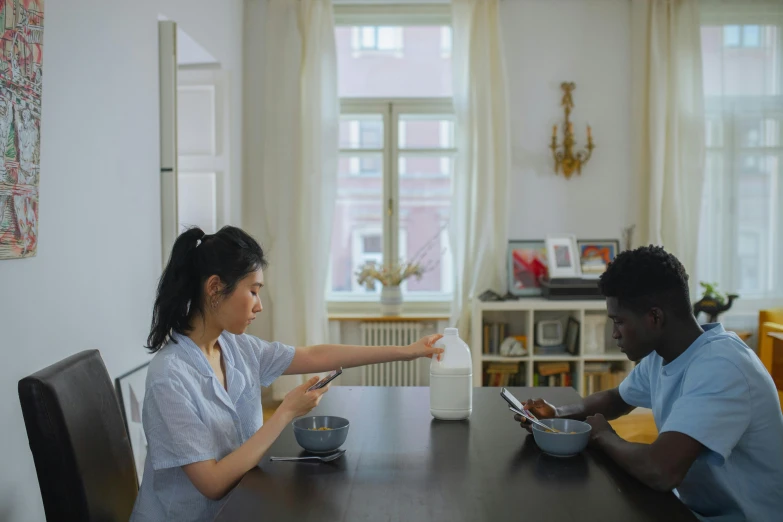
pixel 397 149
pixel 445 42
pixel 741 36
pixel 751 36
pixel 731 35
pixel 365 133
pixel 375 38
pixel 742 216
pixel 365 248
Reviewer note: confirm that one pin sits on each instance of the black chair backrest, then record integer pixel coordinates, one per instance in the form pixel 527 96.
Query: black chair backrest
pixel 81 450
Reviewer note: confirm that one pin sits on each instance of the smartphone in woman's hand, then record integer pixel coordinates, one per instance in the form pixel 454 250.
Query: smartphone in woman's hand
pixel 326 380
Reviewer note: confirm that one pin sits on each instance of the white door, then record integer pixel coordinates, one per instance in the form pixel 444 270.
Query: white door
pixel 202 149
pixel 167 49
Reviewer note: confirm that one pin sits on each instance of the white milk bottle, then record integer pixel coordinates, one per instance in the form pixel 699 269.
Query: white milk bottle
pixel 451 379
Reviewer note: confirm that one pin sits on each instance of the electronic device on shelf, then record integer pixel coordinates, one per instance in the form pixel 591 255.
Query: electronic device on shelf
pixel 549 333
pixel 570 288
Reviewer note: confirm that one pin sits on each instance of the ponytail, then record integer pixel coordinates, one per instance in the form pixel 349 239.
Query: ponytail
pixel 231 254
pixel 179 291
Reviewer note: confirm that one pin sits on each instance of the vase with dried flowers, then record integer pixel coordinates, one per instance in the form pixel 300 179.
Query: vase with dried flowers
pixel 391 277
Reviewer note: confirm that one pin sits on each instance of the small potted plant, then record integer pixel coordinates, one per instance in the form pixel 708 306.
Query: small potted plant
pixel 713 302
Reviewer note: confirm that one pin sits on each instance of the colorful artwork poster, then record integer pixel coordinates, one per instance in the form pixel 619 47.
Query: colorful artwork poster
pixel 527 264
pixel 595 255
pixel 21 51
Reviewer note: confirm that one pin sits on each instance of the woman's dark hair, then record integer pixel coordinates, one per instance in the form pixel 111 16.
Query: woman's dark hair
pixel 646 277
pixel 230 254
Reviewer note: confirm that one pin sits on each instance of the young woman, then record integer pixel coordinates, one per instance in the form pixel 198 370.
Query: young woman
pixel 202 407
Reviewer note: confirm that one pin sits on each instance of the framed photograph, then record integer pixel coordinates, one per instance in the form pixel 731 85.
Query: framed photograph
pixel 595 255
pixel 130 391
pixel 527 263
pixel 572 336
pixel 562 259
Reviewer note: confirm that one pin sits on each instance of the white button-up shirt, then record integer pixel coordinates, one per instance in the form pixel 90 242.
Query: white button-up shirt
pixel 189 417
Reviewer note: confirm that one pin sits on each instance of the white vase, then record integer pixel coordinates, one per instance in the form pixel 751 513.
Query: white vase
pixel 391 300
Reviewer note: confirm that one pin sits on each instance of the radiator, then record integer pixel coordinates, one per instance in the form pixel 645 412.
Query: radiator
pixel 398 373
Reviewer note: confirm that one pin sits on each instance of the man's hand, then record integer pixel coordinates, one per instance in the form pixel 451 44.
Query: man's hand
pixel 538 407
pixel 600 426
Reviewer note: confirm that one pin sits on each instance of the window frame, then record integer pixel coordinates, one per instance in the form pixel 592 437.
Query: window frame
pixel 390 110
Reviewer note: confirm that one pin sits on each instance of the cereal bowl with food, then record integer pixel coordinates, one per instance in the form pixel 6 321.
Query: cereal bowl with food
pixel 569 439
pixel 321 433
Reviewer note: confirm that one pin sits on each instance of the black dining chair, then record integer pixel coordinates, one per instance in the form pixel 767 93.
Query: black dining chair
pixel 79 443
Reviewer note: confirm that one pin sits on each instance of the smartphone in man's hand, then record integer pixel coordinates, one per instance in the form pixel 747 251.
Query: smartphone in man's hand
pixel 511 400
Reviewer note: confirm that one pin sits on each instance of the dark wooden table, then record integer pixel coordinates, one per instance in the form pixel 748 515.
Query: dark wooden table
pixel 403 465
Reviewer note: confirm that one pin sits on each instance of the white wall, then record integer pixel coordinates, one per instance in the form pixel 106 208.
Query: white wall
pixel 93 281
pixel 588 42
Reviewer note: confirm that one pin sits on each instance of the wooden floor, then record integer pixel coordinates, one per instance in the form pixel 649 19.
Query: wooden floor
pixel 635 428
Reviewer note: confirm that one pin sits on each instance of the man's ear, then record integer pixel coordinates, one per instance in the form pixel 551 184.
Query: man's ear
pixel 657 317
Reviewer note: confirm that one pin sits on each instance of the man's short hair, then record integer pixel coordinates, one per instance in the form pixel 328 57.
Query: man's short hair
pixel 647 277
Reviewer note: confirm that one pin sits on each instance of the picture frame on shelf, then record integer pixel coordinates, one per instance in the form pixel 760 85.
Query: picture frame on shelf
pixel 526 264
pixel 572 336
pixel 130 392
pixel 562 258
pixel 595 255
pixel 594 334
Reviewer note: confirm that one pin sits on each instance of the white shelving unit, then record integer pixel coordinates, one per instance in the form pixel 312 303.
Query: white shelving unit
pixel 522 315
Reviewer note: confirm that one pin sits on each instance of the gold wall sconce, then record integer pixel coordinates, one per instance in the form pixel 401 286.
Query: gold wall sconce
pixel 565 157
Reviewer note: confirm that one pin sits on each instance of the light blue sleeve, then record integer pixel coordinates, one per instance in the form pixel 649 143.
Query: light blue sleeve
pixel 714 408
pixel 635 389
pixel 176 435
pixel 273 358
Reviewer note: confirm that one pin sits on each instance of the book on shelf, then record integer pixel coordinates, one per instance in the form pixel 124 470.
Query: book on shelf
pixel 494 334
pixel 559 379
pixel 602 380
pixel 553 368
pixel 558 349
pixel 598 367
pixel 503 374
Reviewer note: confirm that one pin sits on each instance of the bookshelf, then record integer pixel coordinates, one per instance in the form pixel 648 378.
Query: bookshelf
pixel 587 370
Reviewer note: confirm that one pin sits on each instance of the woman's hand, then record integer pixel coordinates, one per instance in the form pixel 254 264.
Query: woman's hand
pixel 423 348
pixel 538 407
pixel 299 401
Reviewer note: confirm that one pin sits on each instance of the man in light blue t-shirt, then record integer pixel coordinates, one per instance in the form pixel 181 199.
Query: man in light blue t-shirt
pixel 720 442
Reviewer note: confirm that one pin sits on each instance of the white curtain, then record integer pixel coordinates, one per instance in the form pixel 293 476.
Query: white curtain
pixel 479 222
pixel 299 168
pixel 668 123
